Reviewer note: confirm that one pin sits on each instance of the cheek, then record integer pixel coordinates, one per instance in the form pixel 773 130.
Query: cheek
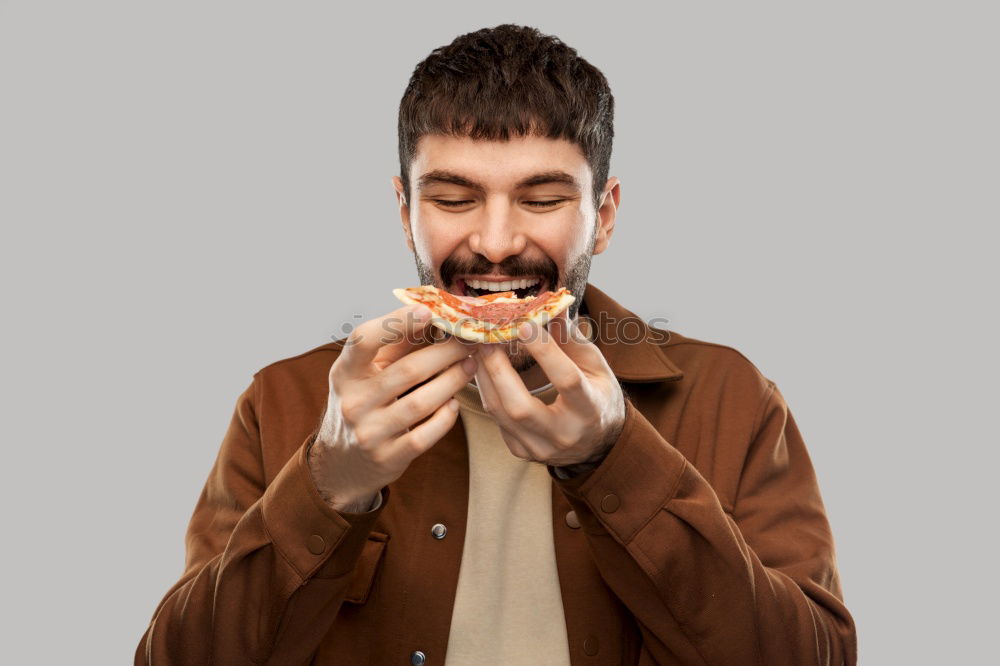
pixel 565 241
pixel 433 243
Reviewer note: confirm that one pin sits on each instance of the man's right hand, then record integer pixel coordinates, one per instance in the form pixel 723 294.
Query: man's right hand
pixel 367 437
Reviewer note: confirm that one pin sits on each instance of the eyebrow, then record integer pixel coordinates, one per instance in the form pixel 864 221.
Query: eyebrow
pixel 543 178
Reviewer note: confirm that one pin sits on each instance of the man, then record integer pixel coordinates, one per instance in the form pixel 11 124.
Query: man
pixel 600 492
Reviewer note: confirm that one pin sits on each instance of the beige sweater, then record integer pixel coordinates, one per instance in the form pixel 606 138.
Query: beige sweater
pixel 508 606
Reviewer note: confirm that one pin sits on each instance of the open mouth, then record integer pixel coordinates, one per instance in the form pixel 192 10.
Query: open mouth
pixel 522 287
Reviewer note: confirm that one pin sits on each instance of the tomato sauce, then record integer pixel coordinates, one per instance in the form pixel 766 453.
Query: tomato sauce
pixel 502 313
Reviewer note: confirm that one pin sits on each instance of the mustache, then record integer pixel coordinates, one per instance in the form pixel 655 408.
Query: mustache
pixel 512 266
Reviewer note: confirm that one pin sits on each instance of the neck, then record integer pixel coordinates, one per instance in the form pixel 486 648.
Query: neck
pixel 534 378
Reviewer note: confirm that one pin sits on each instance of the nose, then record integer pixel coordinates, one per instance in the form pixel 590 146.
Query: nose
pixel 498 234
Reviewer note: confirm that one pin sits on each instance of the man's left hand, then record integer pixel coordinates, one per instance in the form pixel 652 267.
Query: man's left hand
pixel 588 414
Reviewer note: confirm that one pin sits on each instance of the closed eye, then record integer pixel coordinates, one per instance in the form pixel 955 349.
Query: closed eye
pixel 448 203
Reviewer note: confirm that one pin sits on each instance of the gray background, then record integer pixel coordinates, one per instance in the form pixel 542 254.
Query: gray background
pixel 192 190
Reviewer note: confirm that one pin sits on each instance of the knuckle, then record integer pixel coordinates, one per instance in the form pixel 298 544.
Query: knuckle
pixel 407 371
pixel 563 441
pixel 350 409
pixel 413 408
pixel 383 381
pixel 364 435
pixel 408 444
pixel 518 411
pixel 499 414
pixel 415 443
pixel 397 423
pixel 573 382
pixel 335 376
pixel 379 456
pixel 456 371
pixel 357 336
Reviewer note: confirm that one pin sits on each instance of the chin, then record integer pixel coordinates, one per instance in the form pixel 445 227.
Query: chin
pixel 520 359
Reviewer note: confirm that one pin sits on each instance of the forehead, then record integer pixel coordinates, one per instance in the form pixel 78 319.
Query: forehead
pixel 499 164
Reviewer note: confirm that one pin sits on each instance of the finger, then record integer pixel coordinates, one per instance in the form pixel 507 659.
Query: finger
pixel 516 447
pixel 560 369
pixel 529 446
pixel 413 339
pixel 575 344
pixel 522 443
pixel 488 393
pixel 399 327
pixel 515 401
pixel 414 368
pixel 417 405
pixel 491 402
pixel 391 353
pixel 418 440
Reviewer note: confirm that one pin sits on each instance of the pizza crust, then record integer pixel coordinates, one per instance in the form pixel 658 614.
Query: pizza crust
pixel 467 327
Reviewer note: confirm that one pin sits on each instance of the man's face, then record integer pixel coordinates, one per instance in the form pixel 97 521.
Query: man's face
pixel 498 215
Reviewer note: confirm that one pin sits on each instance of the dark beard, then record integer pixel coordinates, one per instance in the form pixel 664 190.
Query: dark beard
pixel 575 281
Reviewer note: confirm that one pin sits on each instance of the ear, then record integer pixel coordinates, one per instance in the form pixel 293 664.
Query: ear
pixel 610 200
pixel 404 210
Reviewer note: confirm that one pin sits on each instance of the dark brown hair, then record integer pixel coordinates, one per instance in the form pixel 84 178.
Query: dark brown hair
pixel 507 81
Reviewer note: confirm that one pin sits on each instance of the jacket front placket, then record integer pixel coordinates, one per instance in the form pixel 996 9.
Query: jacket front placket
pixel 427 523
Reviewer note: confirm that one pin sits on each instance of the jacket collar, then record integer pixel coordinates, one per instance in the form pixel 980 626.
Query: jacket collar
pixel 633 349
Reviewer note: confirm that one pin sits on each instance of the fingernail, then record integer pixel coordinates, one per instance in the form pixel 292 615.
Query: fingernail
pixel 453 405
pixel 524 330
pixel 486 350
pixel 421 312
pixel 469 365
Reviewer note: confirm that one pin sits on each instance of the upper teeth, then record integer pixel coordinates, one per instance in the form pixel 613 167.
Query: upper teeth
pixel 502 286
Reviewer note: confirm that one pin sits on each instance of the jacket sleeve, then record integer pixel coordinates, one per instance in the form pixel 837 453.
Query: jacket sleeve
pixel 267 568
pixel 757 585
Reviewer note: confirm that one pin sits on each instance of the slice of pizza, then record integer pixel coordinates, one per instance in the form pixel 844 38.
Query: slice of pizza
pixel 490 318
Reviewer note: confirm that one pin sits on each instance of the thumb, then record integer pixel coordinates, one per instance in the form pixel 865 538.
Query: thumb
pixel 574 342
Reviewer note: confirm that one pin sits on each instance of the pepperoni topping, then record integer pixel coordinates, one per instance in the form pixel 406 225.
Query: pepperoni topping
pixel 502 313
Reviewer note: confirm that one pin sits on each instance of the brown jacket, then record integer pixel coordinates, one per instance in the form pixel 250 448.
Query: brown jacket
pixel 701 538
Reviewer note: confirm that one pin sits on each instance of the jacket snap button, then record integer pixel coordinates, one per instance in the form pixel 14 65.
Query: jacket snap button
pixel 572 520
pixel 316 545
pixel 418 658
pixel 591 646
pixel 439 531
pixel 610 503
